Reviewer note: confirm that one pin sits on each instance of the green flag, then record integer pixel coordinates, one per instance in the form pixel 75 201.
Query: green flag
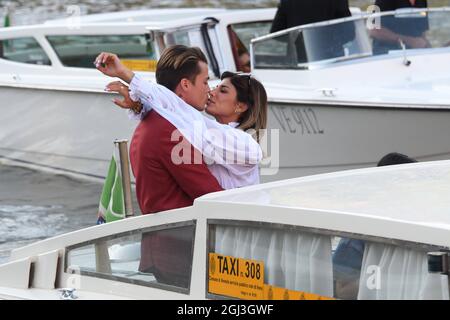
pixel 7 22
pixel 112 203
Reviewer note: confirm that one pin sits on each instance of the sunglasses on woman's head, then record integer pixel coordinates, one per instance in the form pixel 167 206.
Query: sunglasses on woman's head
pixel 242 74
pixel 249 84
pixel 229 74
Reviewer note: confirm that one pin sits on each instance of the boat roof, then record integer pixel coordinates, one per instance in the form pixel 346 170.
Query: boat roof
pixel 390 201
pixel 172 17
pixel 129 22
pixel 149 15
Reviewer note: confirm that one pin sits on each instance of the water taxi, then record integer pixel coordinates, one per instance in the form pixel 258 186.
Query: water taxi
pixel 375 233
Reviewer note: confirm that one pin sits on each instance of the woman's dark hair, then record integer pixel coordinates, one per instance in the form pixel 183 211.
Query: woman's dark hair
pixel 394 158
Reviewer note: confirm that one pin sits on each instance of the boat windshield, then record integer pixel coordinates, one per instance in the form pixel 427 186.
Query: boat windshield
pixel 366 35
pixel 137 51
pixel 159 257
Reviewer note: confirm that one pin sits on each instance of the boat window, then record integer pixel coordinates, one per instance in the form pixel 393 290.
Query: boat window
pixel 136 51
pixel 158 258
pixel 250 30
pixel 24 50
pixel 267 261
pixel 240 37
pixel 204 37
pixel 261 262
pixel 388 33
pixel 368 270
pixel 300 47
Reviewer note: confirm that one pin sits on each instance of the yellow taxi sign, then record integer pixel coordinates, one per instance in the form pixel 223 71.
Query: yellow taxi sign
pixel 244 279
pixel 140 65
pixel 236 277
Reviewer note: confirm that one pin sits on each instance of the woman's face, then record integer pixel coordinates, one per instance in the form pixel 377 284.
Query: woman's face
pixel 223 103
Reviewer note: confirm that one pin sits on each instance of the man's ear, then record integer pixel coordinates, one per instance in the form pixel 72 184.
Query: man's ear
pixel 185 84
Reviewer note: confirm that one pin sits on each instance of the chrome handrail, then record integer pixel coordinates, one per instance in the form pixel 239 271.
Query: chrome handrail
pixel 362 16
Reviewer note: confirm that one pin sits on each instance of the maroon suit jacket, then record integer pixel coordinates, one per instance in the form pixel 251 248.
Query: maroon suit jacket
pixel 161 184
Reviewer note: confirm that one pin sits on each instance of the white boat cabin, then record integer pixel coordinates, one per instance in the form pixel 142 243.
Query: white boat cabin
pixel 378 233
pixel 40 56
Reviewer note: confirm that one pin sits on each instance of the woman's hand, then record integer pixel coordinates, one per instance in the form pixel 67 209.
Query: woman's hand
pixel 126 103
pixel 110 65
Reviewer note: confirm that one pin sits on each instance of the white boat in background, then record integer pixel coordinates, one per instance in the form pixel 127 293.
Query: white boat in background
pixel 343 98
pixel 284 238
pixel 55 114
pixel 345 105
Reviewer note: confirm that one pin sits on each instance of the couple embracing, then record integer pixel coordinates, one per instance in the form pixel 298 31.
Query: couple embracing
pixel 176 153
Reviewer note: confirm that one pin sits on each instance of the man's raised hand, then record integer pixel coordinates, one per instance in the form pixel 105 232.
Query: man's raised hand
pixel 110 65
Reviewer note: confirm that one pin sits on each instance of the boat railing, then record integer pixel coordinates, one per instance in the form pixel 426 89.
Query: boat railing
pixel 362 35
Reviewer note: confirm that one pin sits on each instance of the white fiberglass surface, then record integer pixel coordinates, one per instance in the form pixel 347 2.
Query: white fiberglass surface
pixel 153 15
pixel 412 192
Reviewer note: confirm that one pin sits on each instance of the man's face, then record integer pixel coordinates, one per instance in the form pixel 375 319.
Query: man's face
pixel 197 93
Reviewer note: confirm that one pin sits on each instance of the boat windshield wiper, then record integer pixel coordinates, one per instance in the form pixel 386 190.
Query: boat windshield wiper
pixel 406 61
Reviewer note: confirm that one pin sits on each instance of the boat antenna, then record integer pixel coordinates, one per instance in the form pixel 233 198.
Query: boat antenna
pixel 406 61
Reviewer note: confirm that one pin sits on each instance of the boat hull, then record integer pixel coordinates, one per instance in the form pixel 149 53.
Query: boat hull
pixel 71 132
pixel 325 138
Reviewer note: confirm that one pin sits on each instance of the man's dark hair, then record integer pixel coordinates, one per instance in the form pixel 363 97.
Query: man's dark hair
pixel 395 158
pixel 178 62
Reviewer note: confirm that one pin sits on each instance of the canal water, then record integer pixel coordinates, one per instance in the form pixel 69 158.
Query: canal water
pixel 36 205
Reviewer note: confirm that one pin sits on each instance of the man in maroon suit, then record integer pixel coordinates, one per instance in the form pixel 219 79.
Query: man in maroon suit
pixel 161 184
